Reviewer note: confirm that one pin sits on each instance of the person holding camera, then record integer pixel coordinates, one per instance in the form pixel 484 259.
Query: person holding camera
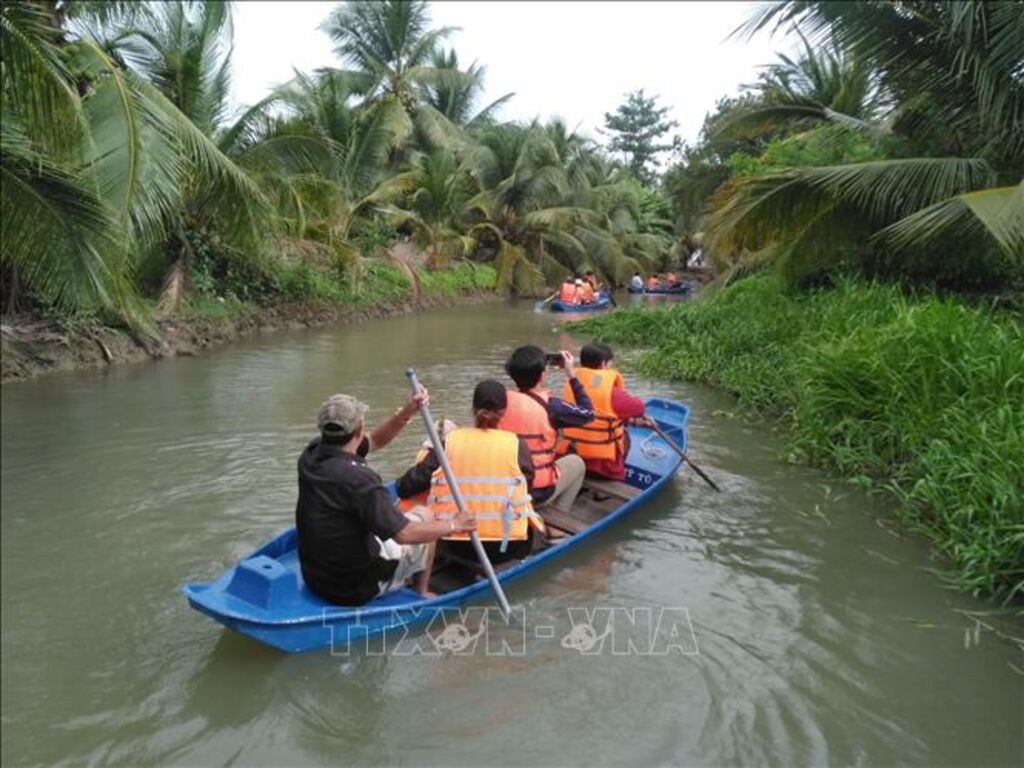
pixel 536 415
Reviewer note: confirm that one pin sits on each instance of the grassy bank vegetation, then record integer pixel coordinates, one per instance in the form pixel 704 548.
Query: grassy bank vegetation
pixel 379 284
pixel 918 396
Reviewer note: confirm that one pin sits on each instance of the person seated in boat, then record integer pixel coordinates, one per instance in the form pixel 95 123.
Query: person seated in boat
pixel 671 279
pixel 413 487
pixel 591 278
pixel 603 442
pixel 567 292
pixel 636 283
pixel 585 291
pixel 536 415
pixel 653 283
pixel 493 469
pixel 353 543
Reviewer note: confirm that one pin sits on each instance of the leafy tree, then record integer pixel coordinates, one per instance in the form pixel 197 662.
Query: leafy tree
pixel 353 182
pixel 95 160
pixel 441 188
pixel 821 85
pixel 521 216
pixel 457 99
pixel 391 46
pixel 704 166
pixel 954 212
pixel 635 129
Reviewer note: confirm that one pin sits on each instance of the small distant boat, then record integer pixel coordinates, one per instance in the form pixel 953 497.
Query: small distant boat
pixel 264 597
pixel 675 290
pixel 603 302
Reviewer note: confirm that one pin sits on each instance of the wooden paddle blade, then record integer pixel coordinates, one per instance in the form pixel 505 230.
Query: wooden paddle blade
pixel 682 454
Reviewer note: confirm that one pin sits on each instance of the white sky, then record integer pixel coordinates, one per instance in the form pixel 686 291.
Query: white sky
pixel 572 59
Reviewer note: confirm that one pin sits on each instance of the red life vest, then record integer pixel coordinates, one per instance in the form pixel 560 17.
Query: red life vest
pixel 529 420
pixel 567 293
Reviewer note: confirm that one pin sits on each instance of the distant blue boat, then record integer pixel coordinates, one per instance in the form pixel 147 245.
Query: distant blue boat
pixel 677 289
pixel 603 302
pixel 264 597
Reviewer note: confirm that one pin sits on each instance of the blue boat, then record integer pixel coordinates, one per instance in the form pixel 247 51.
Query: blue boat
pixel 264 597
pixel 603 302
pixel 679 288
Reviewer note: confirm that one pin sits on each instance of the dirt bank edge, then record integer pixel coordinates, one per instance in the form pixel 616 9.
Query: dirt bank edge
pixel 33 346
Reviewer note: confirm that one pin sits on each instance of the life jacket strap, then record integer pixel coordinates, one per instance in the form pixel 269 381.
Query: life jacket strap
pixel 480 479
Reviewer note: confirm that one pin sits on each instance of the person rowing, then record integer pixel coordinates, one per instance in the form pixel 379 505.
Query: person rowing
pixel 602 443
pixel 352 543
pixel 653 283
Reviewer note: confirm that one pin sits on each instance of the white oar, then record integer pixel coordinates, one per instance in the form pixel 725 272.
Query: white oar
pixel 540 304
pixel 428 422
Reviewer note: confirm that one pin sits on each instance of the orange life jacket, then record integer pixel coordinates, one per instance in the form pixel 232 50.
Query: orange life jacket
pixel 606 434
pixel 587 293
pixel 567 293
pixel 529 420
pixel 420 499
pixel 653 283
pixel 485 463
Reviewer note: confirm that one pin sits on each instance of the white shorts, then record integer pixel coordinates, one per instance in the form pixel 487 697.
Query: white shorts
pixel 411 559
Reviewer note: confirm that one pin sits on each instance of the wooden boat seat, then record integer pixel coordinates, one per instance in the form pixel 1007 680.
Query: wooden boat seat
pixel 564 521
pixel 611 488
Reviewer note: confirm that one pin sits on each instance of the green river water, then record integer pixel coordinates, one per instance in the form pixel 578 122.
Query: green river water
pixel 821 635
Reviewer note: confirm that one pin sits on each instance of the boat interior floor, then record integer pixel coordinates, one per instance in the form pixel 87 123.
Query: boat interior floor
pixel 598 498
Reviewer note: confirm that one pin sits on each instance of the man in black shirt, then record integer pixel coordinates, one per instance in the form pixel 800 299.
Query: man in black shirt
pixel 353 543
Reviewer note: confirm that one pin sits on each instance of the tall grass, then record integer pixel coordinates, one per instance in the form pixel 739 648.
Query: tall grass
pixel 919 396
pixel 466 277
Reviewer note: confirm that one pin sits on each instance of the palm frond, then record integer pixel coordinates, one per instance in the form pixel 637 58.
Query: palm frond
pixel 58 233
pixel 997 211
pixel 380 129
pixel 35 82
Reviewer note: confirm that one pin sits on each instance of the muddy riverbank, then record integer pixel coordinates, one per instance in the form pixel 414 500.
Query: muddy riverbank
pixel 35 345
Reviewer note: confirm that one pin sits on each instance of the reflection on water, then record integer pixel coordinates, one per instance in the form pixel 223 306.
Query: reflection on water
pixel 822 638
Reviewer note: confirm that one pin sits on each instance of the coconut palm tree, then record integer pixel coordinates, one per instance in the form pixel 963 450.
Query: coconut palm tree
pixel 440 189
pixel 96 161
pixel 390 45
pixel 183 50
pixel 523 211
pixel 952 73
pixel 821 85
pixel 456 100
pixel 354 184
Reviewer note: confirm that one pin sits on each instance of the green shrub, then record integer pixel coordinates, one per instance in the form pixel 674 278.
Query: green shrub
pixel 920 396
pixel 459 279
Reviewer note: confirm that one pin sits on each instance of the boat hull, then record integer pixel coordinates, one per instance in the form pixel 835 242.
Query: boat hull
pixel 679 290
pixel 264 597
pixel 603 302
